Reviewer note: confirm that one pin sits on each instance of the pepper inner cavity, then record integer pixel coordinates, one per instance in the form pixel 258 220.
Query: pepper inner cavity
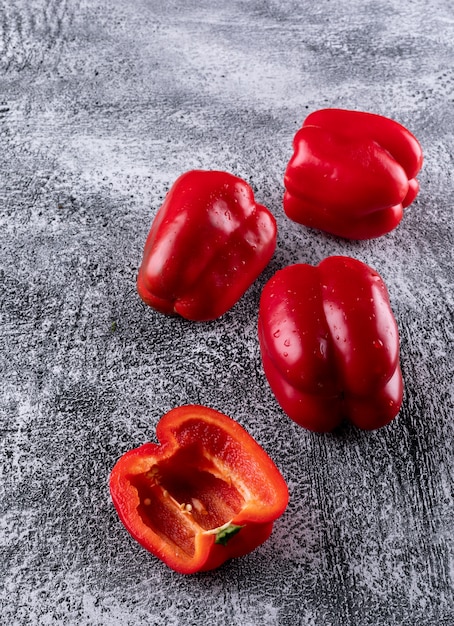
pixel 188 483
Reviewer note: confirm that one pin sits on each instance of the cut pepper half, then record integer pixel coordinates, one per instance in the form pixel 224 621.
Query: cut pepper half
pixel 206 493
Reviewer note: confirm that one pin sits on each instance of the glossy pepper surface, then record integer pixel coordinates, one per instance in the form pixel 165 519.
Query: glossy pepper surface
pixel 330 345
pixel 208 243
pixel 352 173
pixel 206 493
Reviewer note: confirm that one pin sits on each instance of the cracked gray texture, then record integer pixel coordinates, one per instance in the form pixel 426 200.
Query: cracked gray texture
pixel 102 105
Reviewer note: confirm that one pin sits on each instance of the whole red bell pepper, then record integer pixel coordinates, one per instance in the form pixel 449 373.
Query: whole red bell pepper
pixel 352 173
pixel 330 345
pixel 208 243
pixel 206 493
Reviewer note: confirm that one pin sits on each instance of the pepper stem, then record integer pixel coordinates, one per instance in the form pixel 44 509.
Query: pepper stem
pixel 226 532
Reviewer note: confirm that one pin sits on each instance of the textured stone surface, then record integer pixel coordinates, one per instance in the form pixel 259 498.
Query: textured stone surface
pixel 103 103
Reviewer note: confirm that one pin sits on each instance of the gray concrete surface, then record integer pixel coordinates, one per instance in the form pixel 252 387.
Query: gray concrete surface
pixel 103 103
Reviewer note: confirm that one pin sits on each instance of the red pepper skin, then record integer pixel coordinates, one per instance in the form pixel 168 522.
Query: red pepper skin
pixel 330 345
pixel 208 243
pixel 351 174
pixel 205 475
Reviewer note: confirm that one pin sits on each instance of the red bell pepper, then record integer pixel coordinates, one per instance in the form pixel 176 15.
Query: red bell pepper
pixel 208 243
pixel 351 173
pixel 206 493
pixel 330 345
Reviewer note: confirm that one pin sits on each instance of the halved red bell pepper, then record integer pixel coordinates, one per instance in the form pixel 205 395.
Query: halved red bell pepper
pixel 330 344
pixel 208 243
pixel 206 493
pixel 352 173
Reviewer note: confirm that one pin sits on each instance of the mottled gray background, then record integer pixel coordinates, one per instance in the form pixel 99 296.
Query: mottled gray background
pixel 103 103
